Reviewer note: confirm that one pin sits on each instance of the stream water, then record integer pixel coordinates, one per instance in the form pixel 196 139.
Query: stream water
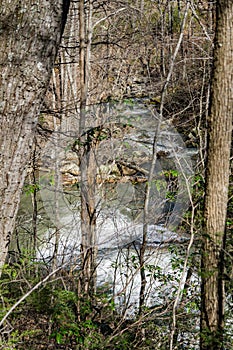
pixel 119 204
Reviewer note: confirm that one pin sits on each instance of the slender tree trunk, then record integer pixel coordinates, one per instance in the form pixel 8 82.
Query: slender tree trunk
pixel 29 39
pixel 87 159
pixel 217 181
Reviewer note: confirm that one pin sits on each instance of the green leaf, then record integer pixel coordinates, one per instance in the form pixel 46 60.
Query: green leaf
pixel 59 337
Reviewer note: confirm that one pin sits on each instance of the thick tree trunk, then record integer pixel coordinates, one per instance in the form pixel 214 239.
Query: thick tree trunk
pixel 217 181
pixel 29 38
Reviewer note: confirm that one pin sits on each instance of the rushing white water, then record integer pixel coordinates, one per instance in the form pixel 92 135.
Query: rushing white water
pixel 118 242
pixel 119 206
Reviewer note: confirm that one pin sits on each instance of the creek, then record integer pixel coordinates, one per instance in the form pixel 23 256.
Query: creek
pixel 120 193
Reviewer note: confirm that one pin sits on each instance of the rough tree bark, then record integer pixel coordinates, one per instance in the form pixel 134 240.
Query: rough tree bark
pixel 217 181
pixel 30 33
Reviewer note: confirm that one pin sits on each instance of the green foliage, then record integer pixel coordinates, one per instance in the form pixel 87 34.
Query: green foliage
pixel 170 174
pixel 82 323
pixel 129 101
pixel 10 343
pixel 41 300
pixel 65 327
pixel 31 188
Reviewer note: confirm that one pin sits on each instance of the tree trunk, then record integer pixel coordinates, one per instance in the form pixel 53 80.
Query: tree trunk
pixel 30 36
pixel 217 181
pixel 87 160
